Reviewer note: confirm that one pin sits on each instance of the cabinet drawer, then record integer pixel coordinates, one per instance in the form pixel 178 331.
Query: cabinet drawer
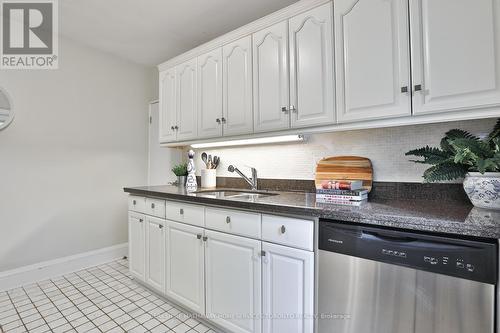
pixel 136 204
pixel 288 231
pixel 185 213
pixel 233 222
pixel 155 207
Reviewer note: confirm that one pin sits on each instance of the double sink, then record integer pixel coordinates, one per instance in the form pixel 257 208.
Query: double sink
pixel 235 194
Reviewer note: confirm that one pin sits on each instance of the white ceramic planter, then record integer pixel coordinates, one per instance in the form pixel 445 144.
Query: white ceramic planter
pixel 208 178
pixel 483 189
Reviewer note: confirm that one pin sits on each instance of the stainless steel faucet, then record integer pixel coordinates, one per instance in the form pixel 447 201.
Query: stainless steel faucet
pixel 251 181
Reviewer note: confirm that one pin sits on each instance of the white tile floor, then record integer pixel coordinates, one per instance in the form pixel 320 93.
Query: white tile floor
pixel 99 299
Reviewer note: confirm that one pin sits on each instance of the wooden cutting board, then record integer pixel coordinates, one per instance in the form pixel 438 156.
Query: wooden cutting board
pixel 345 168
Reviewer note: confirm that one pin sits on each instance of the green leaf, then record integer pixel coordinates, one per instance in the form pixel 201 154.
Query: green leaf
pixel 431 155
pixel 445 172
pixel 478 148
pixel 495 133
pixel 460 134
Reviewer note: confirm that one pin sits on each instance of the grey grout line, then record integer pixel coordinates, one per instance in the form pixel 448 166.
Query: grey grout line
pixel 15 308
pixel 77 288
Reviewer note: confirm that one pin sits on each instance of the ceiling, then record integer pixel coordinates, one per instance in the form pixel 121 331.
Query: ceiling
pixel 149 32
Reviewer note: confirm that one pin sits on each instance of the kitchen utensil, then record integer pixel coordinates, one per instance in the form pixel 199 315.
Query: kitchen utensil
pixel 345 168
pixel 204 158
pixel 210 162
pixel 216 161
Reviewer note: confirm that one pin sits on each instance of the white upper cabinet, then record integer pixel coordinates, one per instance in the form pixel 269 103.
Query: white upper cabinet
pixel 270 78
pixel 237 83
pixel 210 94
pixel 168 109
pixel 372 59
pixel 311 67
pixel 186 100
pixel 455 54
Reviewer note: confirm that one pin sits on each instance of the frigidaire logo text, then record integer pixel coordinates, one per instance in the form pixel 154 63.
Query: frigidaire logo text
pixel 29 34
pixel 335 241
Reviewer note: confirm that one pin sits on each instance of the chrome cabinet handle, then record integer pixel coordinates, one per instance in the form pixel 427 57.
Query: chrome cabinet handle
pixel 172 128
pixel 292 108
pixel 228 219
pixel 418 87
pixel 176 127
pixel 152 205
pixel 181 211
pixel 223 120
pixel 404 89
pixel 284 109
pixel 217 121
pixel 198 236
pixel 283 229
pixel 205 238
pixel 160 226
pixel 141 220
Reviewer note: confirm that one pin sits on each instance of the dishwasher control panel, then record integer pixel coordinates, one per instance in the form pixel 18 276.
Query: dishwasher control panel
pixel 468 259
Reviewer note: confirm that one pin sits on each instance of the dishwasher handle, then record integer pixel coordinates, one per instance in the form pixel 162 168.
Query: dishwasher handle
pixel 386 237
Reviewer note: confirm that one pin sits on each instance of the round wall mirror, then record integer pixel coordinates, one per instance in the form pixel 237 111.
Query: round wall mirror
pixel 6 109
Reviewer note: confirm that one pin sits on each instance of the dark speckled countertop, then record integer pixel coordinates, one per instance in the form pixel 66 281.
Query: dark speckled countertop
pixel 421 215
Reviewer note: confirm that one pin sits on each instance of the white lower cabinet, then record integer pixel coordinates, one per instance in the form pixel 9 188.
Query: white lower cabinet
pixel 243 284
pixel 233 281
pixel 136 245
pixel 155 252
pixel 287 289
pixel 185 265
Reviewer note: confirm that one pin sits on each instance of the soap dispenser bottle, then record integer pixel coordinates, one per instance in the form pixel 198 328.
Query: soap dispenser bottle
pixel 191 183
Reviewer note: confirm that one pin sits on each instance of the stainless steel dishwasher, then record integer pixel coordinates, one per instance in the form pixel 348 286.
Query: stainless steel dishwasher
pixel 374 280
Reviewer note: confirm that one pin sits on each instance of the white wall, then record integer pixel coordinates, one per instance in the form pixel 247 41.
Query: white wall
pixel 79 136
pixel 385 147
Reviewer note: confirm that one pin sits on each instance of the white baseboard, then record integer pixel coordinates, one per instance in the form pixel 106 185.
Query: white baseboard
pixel 52 268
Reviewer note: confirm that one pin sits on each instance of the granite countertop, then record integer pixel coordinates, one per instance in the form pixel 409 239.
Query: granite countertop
pixel 421 215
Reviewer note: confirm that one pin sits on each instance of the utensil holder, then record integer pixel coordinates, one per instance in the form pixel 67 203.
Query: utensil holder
pixel 208 178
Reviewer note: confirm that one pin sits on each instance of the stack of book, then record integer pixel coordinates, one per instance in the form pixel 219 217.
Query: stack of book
pixel 341 192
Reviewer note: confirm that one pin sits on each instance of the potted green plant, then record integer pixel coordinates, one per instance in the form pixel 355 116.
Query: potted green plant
pixel 180 170
pixel 462 154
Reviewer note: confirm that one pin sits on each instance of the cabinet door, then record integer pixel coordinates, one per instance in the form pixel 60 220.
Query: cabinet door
pixel 155 252
pixel 233 282
pixel 185 270
pixel 210 94
pixel 136 245
pixel 287 288
pixel 186 100
pixel 168 106
pixel 270 78
pixel 455 54
pixel 311 67
pixel 372 59
pixel 237 82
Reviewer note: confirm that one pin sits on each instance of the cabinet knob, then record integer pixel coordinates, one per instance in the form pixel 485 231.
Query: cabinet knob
pixel 404 89
pixel 134 202
pixel 284 109
pixel 181 211
pixel 217 120
pixel 198 236
pixel 176 127
pixel 160 226
pixel 283 229
pixel 141 220
pixel 172 128
pixel 418 87
pixel 205 238
pixel 228 219
pixel 152 205
pixel 223 120
pixel 292 108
